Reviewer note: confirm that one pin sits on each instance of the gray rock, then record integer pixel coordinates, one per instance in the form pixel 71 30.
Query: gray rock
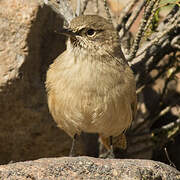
pixel 88 168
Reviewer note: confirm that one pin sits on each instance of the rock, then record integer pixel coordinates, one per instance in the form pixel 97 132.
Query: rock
pixel 88 168
pixel 28 44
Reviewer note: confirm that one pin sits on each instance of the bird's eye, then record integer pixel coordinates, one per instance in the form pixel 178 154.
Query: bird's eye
pixel 91 32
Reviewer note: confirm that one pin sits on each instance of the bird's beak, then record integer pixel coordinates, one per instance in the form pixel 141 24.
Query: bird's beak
pixel 67 32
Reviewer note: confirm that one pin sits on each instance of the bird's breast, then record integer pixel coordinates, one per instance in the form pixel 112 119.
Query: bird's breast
pixel 88 95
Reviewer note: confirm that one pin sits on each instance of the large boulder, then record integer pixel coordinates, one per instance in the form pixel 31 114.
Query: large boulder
pixel 88 168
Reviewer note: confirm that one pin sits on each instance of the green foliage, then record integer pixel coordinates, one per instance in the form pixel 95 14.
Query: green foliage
pixel 164 4
pixel 153 25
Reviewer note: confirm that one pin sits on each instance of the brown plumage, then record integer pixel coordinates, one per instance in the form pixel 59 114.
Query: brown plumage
pixel 90 86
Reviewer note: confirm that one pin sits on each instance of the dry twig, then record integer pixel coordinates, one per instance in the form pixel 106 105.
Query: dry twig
pixel 132 18
pixel 147 14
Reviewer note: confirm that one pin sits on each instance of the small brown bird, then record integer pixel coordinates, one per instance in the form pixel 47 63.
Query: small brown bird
pixel 90 86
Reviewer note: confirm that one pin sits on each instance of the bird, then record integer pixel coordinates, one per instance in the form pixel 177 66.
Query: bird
pixel 90 86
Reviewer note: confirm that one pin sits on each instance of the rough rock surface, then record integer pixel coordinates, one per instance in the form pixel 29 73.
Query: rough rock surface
pixel 28 45
pixel 88 168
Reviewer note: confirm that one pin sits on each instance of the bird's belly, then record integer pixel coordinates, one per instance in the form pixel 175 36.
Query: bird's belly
pixel 92 111
pixel 93 102
pixel 108 119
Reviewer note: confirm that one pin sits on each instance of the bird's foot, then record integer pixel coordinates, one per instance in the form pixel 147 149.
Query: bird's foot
pixel 108 154
pixel 72 151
